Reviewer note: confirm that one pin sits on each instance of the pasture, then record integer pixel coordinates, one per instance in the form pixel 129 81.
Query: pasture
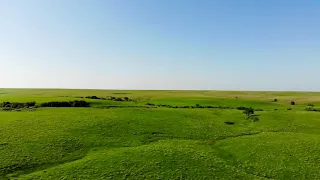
pixel 160 135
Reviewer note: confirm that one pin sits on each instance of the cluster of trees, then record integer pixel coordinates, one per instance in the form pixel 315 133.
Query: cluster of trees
pixel 17 105
pixel 109 98
pixel 33 104
pixel 113 106
pixel 75 103
pixel 196 106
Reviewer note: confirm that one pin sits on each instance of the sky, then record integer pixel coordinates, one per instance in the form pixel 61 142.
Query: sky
pixel 160 44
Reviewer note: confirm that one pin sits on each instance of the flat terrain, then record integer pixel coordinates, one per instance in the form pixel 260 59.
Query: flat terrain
pixel 160 135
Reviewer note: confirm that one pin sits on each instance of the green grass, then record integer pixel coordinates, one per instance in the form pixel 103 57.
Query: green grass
pixel 160 143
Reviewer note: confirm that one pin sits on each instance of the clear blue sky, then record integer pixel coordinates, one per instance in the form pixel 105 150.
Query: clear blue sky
pixel 160 44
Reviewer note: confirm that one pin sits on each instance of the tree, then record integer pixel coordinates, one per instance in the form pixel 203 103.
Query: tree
pixel 248 112
pixel 293 103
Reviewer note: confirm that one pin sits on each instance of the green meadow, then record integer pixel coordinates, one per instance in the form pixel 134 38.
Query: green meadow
pixel 160 135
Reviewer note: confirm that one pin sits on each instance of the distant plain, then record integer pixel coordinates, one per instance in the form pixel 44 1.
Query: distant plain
pixel 160 135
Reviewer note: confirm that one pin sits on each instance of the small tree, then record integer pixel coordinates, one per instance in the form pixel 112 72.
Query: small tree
pixel 293 103
pixel 248 112
pixel 275 100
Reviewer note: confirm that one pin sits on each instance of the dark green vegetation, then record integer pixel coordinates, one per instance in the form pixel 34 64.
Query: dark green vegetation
pixel 160 135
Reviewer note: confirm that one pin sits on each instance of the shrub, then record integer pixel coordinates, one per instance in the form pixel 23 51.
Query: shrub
pixel 276 109
pixel 31 104
pixel 92 97
pixel 289 109
pixel 241 108
pixel 311 105
pixel 79 104
pixel 126 98
pixel 119 99
pixel 258 109
pixel 5 104
pixel 292 103
pixel 197 105
pixel 229 122
pixel 275 100
pixel 7 109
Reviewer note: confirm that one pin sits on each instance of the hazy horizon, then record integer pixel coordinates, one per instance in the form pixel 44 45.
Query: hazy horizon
pixel 160 45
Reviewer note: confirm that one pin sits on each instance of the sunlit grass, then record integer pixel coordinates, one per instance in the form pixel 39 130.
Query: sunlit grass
pixel 160 143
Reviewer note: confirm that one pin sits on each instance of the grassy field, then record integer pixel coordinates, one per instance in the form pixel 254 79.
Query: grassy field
pixel 133 141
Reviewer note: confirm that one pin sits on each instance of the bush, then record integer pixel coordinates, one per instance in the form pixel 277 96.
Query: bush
pixel 311 105
pixel 31 104
pixel 126 98
pixel 229 122
pixel 289 109
pixel 119 99
pixel 241 108
pixel 7 109
pixel 92 97
pixel 258 109
pixel 79 104
pixel 292 103
pixel 275 100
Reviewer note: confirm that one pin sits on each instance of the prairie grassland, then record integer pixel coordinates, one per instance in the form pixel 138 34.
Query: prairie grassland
pixel 160 143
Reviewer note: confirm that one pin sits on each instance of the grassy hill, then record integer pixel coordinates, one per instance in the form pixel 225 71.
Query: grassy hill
pixel 160 135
